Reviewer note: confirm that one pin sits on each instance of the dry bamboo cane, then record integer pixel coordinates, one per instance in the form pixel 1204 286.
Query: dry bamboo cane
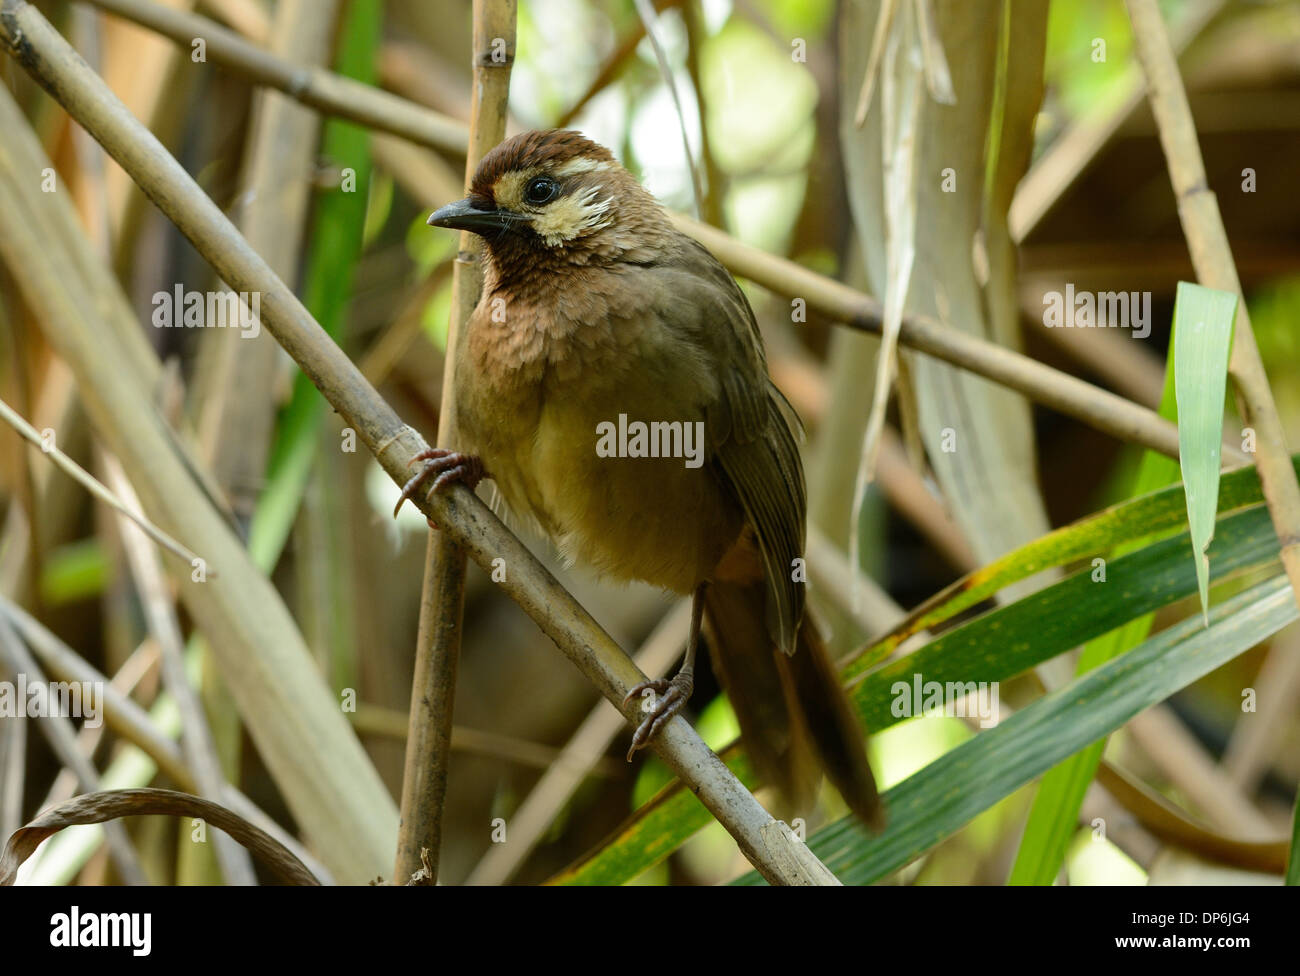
pixel 442 601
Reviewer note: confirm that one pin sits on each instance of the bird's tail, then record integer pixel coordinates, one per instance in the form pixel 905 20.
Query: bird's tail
pixel 793 713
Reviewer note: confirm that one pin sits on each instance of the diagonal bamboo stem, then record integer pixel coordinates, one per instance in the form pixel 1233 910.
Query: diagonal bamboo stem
pixel 1198 209
pixel 769 845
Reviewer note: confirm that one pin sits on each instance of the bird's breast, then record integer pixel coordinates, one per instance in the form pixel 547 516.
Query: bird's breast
pixel 595 430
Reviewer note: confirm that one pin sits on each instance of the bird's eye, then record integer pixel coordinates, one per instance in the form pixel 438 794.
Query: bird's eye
pixel 541 190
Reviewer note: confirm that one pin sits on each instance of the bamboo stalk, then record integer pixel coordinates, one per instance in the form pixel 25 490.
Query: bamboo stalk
pixel 275 184
pixel 770 846
pixel 442 600
pixel 1198 210
pixel 1050 387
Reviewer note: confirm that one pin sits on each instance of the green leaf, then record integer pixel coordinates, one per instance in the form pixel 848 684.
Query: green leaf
pixel 1203 321
pixel 1152 515
pixel 934 803
pixel 1012 639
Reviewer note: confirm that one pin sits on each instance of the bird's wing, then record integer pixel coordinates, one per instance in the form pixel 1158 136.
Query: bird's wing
pixel 750 429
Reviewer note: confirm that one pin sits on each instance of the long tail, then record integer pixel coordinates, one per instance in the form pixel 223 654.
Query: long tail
pixel 793 714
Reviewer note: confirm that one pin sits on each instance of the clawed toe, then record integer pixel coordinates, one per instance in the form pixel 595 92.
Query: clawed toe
pixel 449 466
pixel 668 699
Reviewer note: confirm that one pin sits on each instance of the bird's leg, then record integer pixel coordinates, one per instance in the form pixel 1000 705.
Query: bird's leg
pixel 668 697
pixel 449 466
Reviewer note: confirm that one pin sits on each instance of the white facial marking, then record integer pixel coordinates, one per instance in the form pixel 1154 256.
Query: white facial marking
pixel 572 216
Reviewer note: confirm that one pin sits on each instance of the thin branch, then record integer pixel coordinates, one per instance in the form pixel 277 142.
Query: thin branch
pixel 196 737
pixel 1198 209
pixel 392 723
pixel 1074 150
pixel 624 52
pixel 1092 405
pixel 646 12
pixel 93 485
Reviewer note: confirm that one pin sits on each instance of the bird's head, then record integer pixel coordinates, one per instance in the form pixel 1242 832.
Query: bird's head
pixel 555 195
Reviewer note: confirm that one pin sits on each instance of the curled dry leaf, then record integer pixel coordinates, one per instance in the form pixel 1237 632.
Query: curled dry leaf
pixel 93 808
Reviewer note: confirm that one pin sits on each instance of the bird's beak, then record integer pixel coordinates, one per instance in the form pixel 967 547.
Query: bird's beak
pixel 464 215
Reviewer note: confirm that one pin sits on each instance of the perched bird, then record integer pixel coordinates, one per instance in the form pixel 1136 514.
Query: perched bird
pixel 597 316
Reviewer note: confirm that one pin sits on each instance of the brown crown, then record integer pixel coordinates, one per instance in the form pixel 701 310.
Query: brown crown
pixel 539 147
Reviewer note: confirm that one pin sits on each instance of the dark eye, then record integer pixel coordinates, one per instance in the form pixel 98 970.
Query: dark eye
pixel 541 190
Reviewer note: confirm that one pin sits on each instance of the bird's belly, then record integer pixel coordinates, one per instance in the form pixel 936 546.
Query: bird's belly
pixel 625 512
pixel 590 478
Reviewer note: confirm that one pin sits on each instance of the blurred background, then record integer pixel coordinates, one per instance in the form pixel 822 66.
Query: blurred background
pixel 765 91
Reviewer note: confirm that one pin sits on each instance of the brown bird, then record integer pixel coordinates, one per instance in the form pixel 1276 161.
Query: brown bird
pixel 614 387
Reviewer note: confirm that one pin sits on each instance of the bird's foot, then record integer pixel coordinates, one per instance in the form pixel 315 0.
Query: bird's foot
pixel 449 466
pixel 665 700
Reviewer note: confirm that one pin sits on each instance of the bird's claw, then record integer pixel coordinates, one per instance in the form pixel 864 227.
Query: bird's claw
pixel 449 466
pixel 668 699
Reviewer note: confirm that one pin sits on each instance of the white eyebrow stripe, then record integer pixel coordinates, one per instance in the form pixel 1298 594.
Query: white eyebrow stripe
pixel 582 164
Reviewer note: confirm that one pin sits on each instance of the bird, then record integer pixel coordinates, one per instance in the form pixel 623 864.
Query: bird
pixel 613 385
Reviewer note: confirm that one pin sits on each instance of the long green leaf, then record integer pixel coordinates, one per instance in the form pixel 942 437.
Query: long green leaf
pixel 1012 639
pixel 1161 512
pixel 937 801
pixel 1203 321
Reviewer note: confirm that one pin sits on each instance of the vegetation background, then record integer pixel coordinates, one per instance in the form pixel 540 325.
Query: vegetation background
pixel 1200 776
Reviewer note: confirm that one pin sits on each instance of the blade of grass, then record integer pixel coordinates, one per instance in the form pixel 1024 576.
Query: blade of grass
pixel 1150 516
pixel 1203 321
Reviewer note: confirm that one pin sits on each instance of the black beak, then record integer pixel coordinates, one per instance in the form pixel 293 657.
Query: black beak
pixel 464 215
